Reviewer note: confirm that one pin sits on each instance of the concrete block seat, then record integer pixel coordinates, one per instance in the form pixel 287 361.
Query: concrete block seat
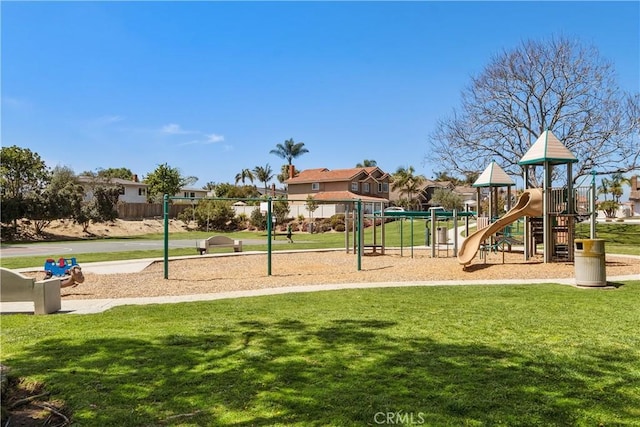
pixel 218 242
pixel 16 287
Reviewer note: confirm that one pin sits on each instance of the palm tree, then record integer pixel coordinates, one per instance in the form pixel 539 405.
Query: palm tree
pixel 407 183
pixel 244 175
pixel 263 174
pixel 616 185
pixel 367 164
pixel 289 150
pixel 604 187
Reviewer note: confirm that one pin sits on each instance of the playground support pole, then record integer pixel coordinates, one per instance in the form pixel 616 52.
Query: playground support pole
pixel 383 225
pixel 546 218
pixel 411 237
pixel 592 207
pixel 269 236
pixel 401 235
pixel 455 232
pixel 346 228
pixel 526 234
pixel 360 234
pixel 165 214
pixel 433 233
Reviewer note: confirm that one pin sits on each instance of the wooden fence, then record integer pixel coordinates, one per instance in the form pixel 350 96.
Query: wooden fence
pixel 148 210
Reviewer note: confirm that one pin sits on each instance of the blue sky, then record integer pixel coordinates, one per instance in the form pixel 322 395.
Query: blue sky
pixel 211 87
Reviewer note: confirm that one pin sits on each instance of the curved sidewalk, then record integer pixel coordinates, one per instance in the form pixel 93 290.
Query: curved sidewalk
pixel 100 305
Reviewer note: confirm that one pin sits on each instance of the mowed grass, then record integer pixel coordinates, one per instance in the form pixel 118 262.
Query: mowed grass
pixel 543 355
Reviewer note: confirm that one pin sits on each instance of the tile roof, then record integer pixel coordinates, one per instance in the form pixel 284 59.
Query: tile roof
pixel 324 175
pixel 346 195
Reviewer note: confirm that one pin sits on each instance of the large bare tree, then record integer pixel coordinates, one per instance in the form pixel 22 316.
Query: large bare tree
pixel 558 85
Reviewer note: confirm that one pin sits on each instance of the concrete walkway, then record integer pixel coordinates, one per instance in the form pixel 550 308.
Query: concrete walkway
pixel 89 306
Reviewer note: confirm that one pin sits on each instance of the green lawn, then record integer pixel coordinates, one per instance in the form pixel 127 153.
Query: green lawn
pixel 543 355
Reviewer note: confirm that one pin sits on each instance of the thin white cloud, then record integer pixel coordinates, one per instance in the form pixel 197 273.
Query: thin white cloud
pixel 213 138
pixel 201 137
pixel 175 129
pixel 193 142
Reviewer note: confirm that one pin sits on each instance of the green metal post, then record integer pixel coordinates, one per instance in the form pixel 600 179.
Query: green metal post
pixel 269 215
pixel 166 235
pixel 360 234
pixel 592 207
pixel 411 237
pixel 401 235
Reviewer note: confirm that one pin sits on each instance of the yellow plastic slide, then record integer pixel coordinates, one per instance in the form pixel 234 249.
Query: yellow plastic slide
pixel 529 204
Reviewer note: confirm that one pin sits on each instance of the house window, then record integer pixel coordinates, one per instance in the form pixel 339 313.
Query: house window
pixel 142 191
pixel 379 187
pixel 385 187
pixel 365 187
pixel 354 186
pixel 315 186
pixel 188 194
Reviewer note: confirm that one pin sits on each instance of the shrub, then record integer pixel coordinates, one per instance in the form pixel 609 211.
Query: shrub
pixel 336 220
pixel 258 220
pixel 215 215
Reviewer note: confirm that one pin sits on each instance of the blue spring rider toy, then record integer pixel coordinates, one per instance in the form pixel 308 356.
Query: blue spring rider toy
pixel 58 268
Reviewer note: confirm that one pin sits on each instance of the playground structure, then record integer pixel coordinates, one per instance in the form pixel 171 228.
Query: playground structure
pixel 553 226
pixel 67 269
pixel 436 236
pixel 550 213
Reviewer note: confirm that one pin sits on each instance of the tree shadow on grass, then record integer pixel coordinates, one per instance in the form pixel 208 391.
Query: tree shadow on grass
pixel 345 372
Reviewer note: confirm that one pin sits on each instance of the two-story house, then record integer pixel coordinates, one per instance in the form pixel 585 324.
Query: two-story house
pixel 370 184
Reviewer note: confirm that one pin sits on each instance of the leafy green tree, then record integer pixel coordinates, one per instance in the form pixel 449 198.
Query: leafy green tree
pixel 447 199
pixel 231 191
pixel 121 173
pixel 23 178
pixel 21 171
pixel 367 164
pixel 281 209
pixel 64 193
pixel 258 219
pixel 264 175
pixel 213 215
pixel 164 180
pixel 244 175
pixel 312 205
pixel 408 184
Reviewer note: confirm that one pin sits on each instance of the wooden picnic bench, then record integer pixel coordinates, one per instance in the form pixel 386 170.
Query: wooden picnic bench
pixel 218 242
pixel 16 287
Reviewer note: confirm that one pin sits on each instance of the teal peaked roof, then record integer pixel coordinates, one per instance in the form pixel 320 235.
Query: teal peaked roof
pixel 493 176
pixel 547 148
